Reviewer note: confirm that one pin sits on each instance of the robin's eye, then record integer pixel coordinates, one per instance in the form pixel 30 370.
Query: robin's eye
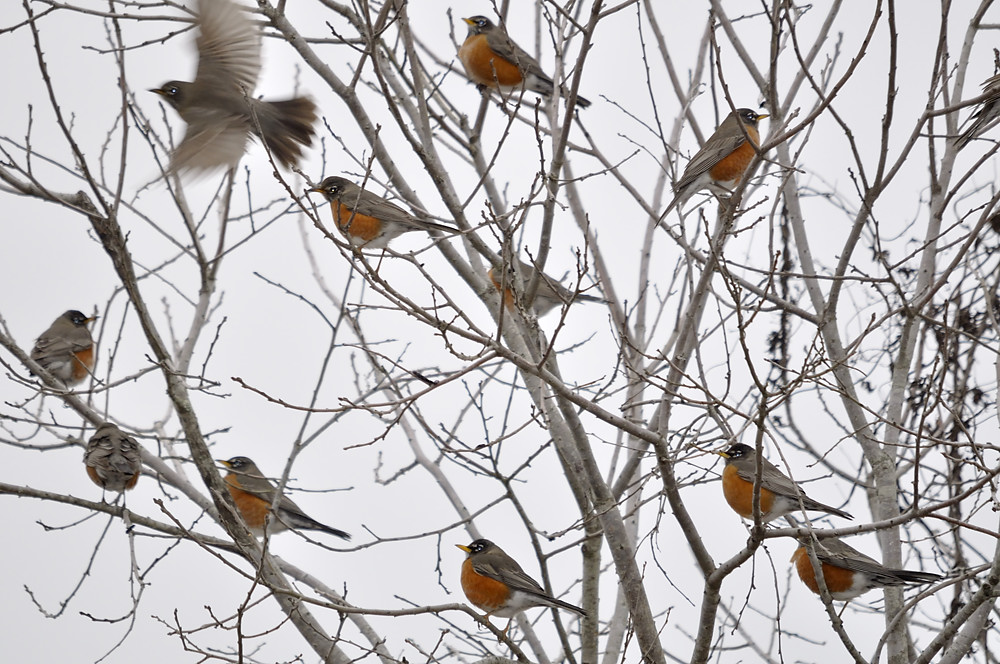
pixel 172 90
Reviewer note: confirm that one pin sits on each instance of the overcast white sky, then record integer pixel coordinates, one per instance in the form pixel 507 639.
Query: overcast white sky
pixel 49 262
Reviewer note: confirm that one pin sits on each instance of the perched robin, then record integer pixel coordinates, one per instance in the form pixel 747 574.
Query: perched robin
pixel 112 459
pixel 66 349
pixel 493 60
pixel 549 294
pixel 218 106
pixel 847 572
pixel 722 160
pixel 254 494
pixel 495 583
pixel 779 495
pixel 368 220
pixel 986 116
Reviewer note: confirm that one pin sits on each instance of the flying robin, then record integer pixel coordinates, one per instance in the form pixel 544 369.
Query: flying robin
pixel 779 495
pixel 493 60
pixel 722 160
pixel 254 494
pixel 549 294
pixel 847 572
pixel 218 106
pixel 495 583
pixel 66 349
pixel 368 220
pixel 987 114
pixel 112 459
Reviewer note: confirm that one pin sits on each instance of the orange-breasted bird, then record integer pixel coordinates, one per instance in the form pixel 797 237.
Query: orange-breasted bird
pixel 218 106
pixel 492 59
pixel 721 162
pixel 66 349
pixel 779 495
pixel 847 572
pixel 368 220
pixel 549 295
pixel 112 459
pixel 495 583
pixel 253 494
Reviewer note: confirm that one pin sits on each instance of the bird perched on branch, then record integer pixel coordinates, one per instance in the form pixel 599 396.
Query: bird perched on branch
pixel 112 459
pixel 368 220
pixel 253 494
pixel 847 572
pixel 66 349
pixel 494 582
pixel 779 495
pixel 218 106
pixel 492 59
pixel 723 159
pixel 549 295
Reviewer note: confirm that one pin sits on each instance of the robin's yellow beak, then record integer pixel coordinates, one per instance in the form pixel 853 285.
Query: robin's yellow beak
pixel 159 91
pixel 723 455
pixel 462 546
pixel 761 117
pixel 224 463
pixel 318 189
pixel 469 21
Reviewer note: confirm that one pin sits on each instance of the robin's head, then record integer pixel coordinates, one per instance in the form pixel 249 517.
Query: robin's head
pixel 239 464
pixel 478 546
pixel 333 187
pixel 77 318
pixel 173 92
pixel 749 117
pixel 478 25
pixel 737 451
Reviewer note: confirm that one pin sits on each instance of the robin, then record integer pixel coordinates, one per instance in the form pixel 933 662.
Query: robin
pixel 218 106
pixel 847 572
pixel 368 220
pixel 254 494
pixel 66 349
pixel 493 60
pixel 549 294
pixel 722 160
pixel 987 114
pixel 495 583
pixel 112 459
pixel 779 495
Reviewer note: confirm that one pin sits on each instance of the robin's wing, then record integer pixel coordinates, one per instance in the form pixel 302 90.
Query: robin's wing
pixel 772 479
pixel 501 44
pixel 228 47
pixel 707 157
pixel 213 138
pixel 49 346
pixel 508 572
pixel 374 205
pixel 987 113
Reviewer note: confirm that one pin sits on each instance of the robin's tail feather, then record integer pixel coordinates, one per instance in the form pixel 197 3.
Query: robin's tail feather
pixel 983 117
pixel 543 85
pixel 909 576
pixel 558 603
pixel 817 506
pixel 286 125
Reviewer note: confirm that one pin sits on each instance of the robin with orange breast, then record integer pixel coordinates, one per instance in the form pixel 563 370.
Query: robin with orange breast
pixel 549 295
pixel 368 220
pixel 986 116
pixel 723 159
pixel 254 494
pixel 218 106
pixel 112 459
pixel 66 349
pixel 492 59
pixel 779 495
pixel 495 583
pixel 847 572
